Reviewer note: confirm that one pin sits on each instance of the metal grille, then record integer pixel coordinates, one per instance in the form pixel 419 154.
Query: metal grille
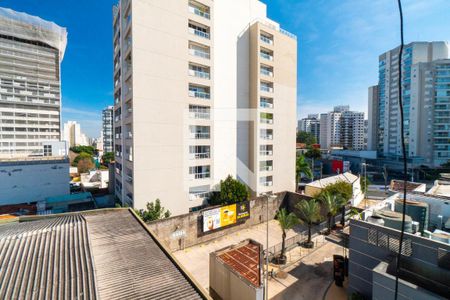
pixel 388 241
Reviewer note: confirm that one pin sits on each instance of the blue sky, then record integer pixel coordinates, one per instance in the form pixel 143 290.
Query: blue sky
pixel 339 42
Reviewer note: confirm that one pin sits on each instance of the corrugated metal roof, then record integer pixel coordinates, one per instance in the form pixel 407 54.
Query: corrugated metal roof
pixel 106 254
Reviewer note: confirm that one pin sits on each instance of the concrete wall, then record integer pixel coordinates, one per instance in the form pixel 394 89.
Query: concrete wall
pixel 364 256
pixel 168 229
pixel 31 181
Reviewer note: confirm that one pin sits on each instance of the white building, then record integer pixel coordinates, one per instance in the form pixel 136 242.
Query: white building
pixel 26 180
pixel 342 128
pixel 30 87
pixel 426 102
pixel 73 136
pixel 311 124
pixel 108 129
pixel 185 100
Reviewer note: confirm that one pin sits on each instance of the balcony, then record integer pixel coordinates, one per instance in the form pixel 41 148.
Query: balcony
pixel 263 104
pixel 266 121
pixel 266 71
pixel 200 115
pixel 199 53
pixel 266 152
pixel 266 88
pixel 199 196
pixel 199 72
pixel 199 10
pixel 266 168
pixel 199 155
pixel 202 175
pixel 199 92
pixel 200 135
pixel 266 55
pixel 266 39
pixel 200 31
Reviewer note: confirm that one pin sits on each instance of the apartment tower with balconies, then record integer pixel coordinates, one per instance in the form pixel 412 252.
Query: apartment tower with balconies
pixel 31 51
pixel 203 89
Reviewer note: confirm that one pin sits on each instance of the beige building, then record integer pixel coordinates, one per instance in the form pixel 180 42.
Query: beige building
pixel 200 95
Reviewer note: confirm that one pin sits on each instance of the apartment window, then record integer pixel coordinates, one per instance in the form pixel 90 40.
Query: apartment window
pixel 266 54
pixel 197 91
pixel 199 132
pixel 199 50
pixel 265 102
pixel 199 112
pixel 266 165
pixel 266 118
pixel 199 71
pixel 199 30
pixel 266 70
pixel 266 181
pixel 199 9
pixel 266 134
pixel 47 150
pixel 200 152
pixel 266 38
pixel 266 87
pixel 199 172
pixel 266 150
pixel 199 192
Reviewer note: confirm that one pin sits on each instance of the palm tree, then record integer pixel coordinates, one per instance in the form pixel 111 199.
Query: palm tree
pixel 332 204
pixel 309 212
pixel 302 167
pixel 286 221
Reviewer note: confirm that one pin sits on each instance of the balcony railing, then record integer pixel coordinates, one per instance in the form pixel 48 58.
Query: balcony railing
pixel 200 135
pixel 266 40
pixel 198 12
pixel 266 105
pixel 203 155
pixel 199 33
pixel 199 195
pixel 199 53
pixel 266 152
pixel 199 74
pixel 266 56
pixel 266 72
pixel 266 168
pixel 200 175
pixel 199 94
pixel 267 137
pixel 267 121
pixel 267 183
pixel 200 115
pixel 265 88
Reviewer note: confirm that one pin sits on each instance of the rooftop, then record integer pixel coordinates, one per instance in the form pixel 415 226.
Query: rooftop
pixel 101 254
pixel 440 188
pixel 244 259
pixel 398 185
pixel 346 177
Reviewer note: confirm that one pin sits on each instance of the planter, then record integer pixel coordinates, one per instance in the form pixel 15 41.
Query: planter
pixel 308 245
pixel 280 260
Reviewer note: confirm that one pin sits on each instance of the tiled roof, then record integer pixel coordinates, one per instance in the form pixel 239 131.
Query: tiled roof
pixel 102 254
pixel 244 260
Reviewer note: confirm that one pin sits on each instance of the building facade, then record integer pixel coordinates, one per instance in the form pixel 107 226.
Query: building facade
pixel 108 129
pixel 425 103
pixel 311 124
pixel 207 97
pixel 73 136
pixel 342 128
pixel 30 87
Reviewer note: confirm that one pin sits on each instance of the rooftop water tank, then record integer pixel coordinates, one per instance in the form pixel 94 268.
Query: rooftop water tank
pixel 418 211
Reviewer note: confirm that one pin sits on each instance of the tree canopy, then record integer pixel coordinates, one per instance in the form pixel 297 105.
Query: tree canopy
pixel 313 153
pixel 107 158
pixel 306 138
pixel 340 189
pixel 153 211
pixel 87 149
pixel 82 155
pixel 231 191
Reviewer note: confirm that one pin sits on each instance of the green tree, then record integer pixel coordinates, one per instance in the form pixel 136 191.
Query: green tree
pixel 341 189
pixel 306 138
pixel 302 167
pixel 107 158
pixel 331 203
pixel 231 191
pixel 153 212
pixel 82 155
pixel 309 213
pixel 286 222
pixel 313 153
pixel 87 149
pixel 85 164
pixel 447 164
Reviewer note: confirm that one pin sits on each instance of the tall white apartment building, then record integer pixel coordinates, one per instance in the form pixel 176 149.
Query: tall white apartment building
pixel 108 129
pixel 342 128
pixel 31 51
pixel 73 136
pixel 203 89
pixel 425 89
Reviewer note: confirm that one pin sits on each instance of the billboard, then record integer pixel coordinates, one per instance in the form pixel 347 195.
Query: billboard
pixel 225 216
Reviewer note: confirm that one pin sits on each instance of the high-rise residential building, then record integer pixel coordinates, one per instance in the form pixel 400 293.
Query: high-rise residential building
pixel 107 129
pixel 342 128
pixel 311 124
pixel 73 136
pixel 211 93
pixel 30 87
pixel 425 92
pixel 372 119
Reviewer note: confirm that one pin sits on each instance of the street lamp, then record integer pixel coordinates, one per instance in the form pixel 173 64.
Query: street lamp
pixel 272 197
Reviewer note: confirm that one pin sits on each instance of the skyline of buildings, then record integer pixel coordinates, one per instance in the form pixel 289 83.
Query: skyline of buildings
pixel 184 106
pixel 31 51
pixel 426 91
pixel 73 135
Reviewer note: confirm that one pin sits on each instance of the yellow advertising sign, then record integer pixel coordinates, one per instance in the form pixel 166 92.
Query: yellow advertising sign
pixel 227 215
